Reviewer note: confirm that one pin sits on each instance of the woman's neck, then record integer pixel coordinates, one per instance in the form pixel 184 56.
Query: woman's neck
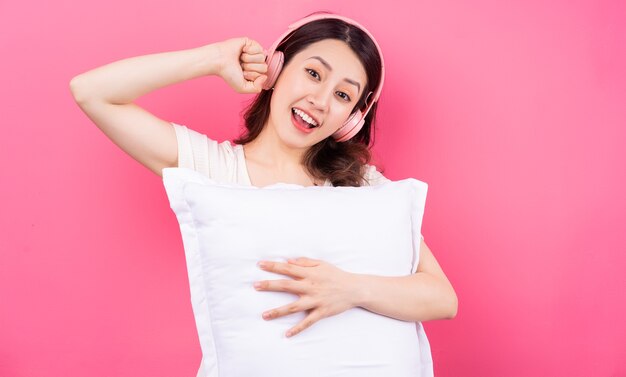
pixel 268 151
pixel 269 161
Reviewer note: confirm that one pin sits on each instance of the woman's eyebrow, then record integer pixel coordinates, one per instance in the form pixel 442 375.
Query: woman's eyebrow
pixel 325 63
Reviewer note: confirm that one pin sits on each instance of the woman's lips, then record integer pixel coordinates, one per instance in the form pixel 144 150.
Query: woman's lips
pixel 296 122
pixel 317 122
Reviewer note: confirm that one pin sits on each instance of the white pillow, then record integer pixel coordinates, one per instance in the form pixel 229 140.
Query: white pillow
pixel 227 228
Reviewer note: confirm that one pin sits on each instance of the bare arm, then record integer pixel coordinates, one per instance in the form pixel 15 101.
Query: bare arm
pixel 106 93
pixel 423 296
pixel 326 290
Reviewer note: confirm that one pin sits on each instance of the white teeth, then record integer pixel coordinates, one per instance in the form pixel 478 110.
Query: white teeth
pixel 306 118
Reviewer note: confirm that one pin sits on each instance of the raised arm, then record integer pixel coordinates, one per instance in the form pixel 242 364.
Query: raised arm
pixel 106 95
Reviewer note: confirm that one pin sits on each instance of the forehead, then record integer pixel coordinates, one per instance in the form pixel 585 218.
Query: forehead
pixel 339 56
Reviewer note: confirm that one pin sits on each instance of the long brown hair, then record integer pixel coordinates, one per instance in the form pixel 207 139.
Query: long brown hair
pixel 342 163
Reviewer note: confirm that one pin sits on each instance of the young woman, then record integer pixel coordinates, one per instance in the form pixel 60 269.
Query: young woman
pixel 332 68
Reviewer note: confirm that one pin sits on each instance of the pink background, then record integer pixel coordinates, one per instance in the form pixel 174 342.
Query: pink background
pixel 513 112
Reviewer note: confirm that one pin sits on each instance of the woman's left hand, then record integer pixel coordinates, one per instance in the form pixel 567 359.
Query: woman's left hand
pixel 324 290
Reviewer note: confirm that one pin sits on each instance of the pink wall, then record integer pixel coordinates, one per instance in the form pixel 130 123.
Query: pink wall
pixel 513 113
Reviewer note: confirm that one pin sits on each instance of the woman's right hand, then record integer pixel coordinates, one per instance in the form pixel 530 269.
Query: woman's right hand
pixel 242 64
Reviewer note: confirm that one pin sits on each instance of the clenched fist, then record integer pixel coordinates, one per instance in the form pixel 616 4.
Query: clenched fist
pixel 242 64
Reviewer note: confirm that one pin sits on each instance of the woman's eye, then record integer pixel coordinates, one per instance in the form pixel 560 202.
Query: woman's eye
pixel 314 73
pixel 344 96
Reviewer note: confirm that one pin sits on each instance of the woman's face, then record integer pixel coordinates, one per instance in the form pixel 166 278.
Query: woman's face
pixel 325 81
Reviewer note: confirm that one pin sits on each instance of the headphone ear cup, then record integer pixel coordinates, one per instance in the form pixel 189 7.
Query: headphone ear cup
pixel 274 66
pixel 350 127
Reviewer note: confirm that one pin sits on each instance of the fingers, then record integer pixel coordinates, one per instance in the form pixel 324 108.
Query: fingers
pixel 253 66
pixel 254 74
pixel 255 86
pixel 283 268
pixel 257 67
pixel 252 58
pixel 251 76
pixel 304 262
pixel 252 47
pixel 295 307
pixel 291 286
pixel 313 317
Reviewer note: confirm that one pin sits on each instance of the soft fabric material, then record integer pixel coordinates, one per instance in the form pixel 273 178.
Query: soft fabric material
pixel 227 228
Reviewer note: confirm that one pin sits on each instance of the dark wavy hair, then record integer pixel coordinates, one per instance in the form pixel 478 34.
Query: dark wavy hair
pixel 343 163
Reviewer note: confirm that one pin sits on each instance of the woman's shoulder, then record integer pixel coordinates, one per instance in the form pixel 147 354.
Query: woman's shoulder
pixel 373 176
pixel 202 153
pixel 194 135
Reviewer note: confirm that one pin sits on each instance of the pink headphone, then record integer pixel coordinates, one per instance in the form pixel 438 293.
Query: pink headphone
pixel 275 61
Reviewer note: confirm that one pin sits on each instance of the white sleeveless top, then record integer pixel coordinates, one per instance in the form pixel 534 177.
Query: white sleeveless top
pixel 226 162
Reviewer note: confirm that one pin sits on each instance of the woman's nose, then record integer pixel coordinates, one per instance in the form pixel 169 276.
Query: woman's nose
pixel 320 98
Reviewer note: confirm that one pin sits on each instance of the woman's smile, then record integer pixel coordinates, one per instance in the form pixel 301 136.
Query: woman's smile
pixel 303 120
pixel 300 123
pixel 314 122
